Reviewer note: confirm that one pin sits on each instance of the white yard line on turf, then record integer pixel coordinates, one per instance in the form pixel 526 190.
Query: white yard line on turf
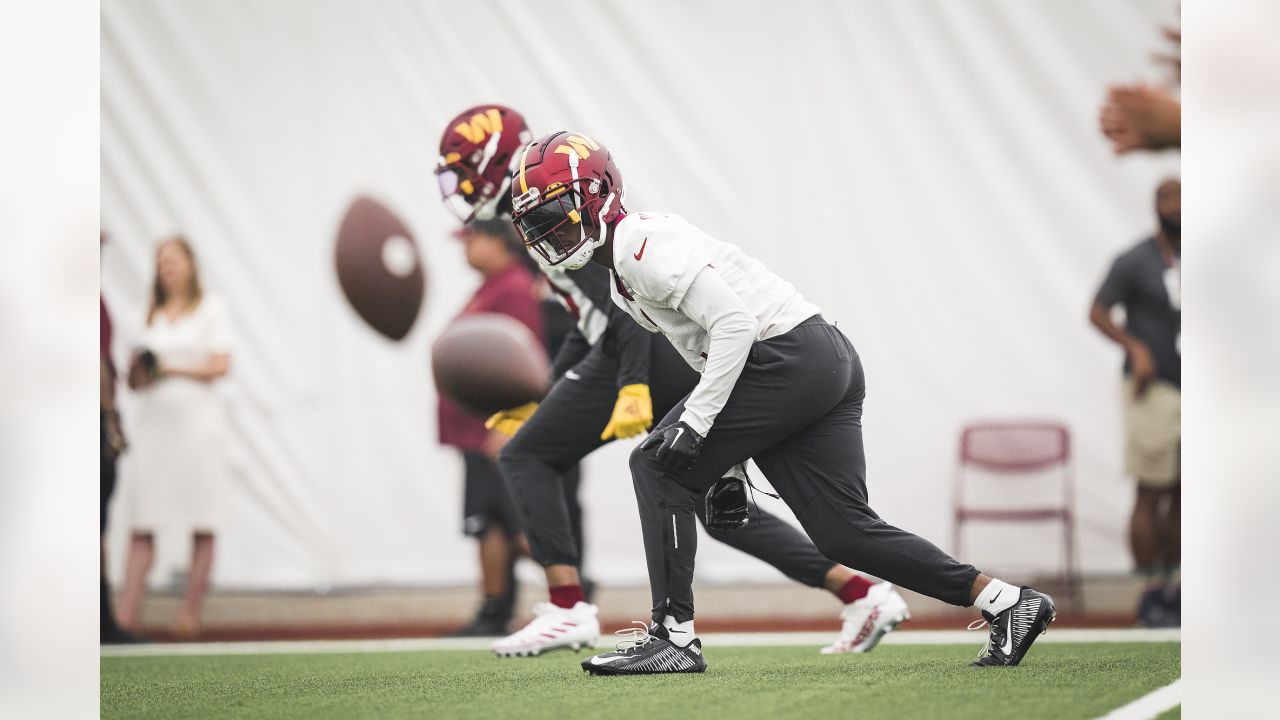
pixel 940 637
pixel 1150 705
pixel 904 637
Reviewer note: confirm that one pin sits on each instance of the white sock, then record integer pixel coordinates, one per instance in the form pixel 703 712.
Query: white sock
pixel 997 597
pixel 680 633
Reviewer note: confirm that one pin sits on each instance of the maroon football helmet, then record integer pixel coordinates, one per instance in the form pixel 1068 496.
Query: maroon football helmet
pixel 565 190
pixel 476 155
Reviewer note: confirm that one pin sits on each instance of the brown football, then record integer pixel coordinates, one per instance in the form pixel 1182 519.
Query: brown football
pixel 379 267
pixel 488 362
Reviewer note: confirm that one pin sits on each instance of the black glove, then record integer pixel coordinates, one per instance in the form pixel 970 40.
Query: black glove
pixel 150 363
pixel 678 446
pixel 727 505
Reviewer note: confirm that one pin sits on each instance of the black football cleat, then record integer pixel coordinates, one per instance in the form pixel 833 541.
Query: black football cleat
pixel 1014 629
pixel 647 651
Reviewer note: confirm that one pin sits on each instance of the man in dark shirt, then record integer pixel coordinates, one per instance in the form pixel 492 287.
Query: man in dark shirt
pixel 1147 282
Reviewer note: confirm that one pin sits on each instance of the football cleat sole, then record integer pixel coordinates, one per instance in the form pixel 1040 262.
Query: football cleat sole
pixel 605 671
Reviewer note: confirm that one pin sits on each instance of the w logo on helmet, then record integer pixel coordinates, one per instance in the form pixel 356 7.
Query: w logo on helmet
pixel 579 144
pixel 480 126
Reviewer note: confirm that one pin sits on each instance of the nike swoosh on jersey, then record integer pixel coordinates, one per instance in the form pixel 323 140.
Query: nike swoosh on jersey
pixel 640 252
pixel 572 375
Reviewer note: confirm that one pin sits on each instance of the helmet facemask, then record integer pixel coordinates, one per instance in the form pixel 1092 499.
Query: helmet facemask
pixel 560 228
pixel 457 190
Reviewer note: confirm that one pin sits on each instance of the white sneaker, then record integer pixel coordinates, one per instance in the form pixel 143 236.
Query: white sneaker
pixel 868 619
pixel 552 627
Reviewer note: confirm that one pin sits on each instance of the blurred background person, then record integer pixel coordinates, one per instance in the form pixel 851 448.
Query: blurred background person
pixel 178 459
pixel 507 287
pixel 111 443
pixel 1146 282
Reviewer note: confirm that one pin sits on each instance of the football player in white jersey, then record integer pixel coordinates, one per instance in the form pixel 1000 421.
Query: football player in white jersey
pixel 611 376
pixel 778 385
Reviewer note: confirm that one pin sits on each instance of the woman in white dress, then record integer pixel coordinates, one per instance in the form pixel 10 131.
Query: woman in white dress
pixel 179 452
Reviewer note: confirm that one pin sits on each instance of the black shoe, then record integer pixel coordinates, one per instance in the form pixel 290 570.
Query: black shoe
pixel 482 626
pixel 122 637
pixel 492 620
pixel 1149 612
pixel 1013 630
pixel 1161 607
pixel 1171 599
pixel 647 652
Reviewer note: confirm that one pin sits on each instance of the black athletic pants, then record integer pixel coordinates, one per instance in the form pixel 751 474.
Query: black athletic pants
pixel 797 410
pixel 567 427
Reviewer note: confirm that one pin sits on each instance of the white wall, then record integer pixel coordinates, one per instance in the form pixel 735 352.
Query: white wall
pixel 928 172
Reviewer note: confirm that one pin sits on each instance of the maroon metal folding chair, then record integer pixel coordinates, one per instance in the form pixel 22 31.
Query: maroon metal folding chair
pixel 1012 451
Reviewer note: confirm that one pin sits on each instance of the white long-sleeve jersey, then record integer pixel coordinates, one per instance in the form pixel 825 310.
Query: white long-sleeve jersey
pixel 707 297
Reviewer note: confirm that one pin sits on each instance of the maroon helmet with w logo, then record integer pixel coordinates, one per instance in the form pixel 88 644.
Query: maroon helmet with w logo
pixel 565 190
pixel 477 151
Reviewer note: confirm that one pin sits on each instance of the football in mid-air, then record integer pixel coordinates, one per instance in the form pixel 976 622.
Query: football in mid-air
pixel 489 362
pixel 379 268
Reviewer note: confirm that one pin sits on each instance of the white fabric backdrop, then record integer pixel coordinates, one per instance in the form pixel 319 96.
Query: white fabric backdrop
pixel 928 172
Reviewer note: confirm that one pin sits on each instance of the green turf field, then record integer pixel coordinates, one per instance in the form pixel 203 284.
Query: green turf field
pixel 896 681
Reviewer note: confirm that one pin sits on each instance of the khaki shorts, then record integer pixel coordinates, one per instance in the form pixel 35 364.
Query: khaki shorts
pixel 1153 434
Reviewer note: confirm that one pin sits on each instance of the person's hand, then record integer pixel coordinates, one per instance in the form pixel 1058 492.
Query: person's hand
pixel 632 414
pixel 1141 117
pixel 508 422
pixel 114 432
pixel 677 446
pixel 1142 368
pixel 139 376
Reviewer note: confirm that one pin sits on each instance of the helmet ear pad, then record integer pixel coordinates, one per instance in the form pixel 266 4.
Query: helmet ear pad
pixel 610 209
pixel 613 192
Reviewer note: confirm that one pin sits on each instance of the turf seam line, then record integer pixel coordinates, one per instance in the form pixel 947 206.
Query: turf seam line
pixel 1150 705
